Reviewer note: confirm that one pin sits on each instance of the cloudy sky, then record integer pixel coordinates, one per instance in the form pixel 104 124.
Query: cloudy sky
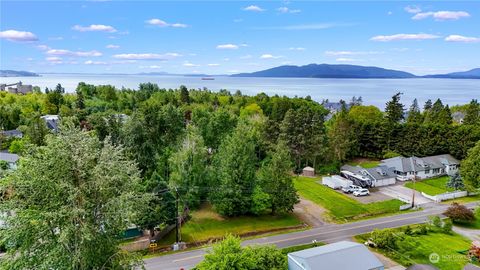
pixel 219 37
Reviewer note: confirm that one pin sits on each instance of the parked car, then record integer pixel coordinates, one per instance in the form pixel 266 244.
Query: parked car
pixel 350 188
pixel 361 192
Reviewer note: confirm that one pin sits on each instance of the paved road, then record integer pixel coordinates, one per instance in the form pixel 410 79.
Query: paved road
pixel 327 233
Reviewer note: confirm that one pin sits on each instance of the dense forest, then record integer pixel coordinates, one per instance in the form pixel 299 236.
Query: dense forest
pixel 232 150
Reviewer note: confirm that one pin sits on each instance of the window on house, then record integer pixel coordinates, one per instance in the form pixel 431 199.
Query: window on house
pixel 427 171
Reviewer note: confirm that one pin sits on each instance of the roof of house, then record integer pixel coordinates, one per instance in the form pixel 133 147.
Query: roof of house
pixel 343 255
pixel 308 169
pixel 377 173
pixel 12 133
pixel 51 121
pixel 8 157
pixel 404 164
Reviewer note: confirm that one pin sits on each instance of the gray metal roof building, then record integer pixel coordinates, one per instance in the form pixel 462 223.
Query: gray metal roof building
pixel 343 255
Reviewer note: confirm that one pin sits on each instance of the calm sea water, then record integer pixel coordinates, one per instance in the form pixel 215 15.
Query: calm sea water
pixel 373 91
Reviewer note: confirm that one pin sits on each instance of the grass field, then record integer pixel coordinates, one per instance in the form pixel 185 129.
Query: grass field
pixel 340 207
pixel 365 163
pixel 433 186
pixel 206 224
pixel 447 246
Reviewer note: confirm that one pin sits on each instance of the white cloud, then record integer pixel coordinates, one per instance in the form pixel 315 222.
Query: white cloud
pixel 19 36
pixel 213 65
pixel 404 37
pixel 458 38
pixel 442 15
pixel 95 28
pixel 112 46
pixel 389 13
pixel 162 23
pixel 344 59
pixel 269 56
pixel 90 62
pixel 73 53
pixel 54 59
pixel 146 56
pixel 342 53
pixel 43 47
pixel 188 64
pixel 315 26
pixel 287 10
pixel 227 47
pixel 413 9
pixel 254 8
pixel 296 49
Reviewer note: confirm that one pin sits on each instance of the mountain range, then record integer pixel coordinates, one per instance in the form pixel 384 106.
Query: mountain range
pixel 349 71
pixel 306 71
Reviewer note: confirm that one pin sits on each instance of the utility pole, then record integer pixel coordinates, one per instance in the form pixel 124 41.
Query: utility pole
pixel 177 217
pixel 414 180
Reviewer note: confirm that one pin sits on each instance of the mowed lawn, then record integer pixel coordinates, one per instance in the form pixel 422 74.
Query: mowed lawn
pixel 340 207
pixel 433 186
pixel 365 163
pixel 206 224
pixel 447 246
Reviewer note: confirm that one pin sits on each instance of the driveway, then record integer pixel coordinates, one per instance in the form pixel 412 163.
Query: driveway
pixel 404 194
pixel 310 213
pixel 375 196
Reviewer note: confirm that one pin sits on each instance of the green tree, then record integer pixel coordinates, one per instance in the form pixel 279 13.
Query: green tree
pixel 36 130
pixel 470 168
pixel 394 109
pixel 235 166
pixel 456 182
pixel 414 114
pixel 184 95
pixel 275 179
pixel 472 113
pixel 341 136
pixel 189 172
pixel 365 114
pixel 229 255
pixel 72 199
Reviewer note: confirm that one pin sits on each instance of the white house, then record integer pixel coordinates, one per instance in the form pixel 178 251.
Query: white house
pixel 426 167
pixel 342 255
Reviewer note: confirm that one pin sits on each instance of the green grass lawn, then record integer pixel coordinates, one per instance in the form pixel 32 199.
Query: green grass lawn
pixel 463 200
pixel 365 163
pixel 301 247
pixel 433 186
pixel 342 208
pixel 206 224
pixel 447 246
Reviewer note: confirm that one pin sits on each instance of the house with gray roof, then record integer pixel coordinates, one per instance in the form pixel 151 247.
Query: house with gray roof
pixel 369 177
pixel 15 133
pixel 52 121
pixel 425 167
pixel 344 255
pixel 10 159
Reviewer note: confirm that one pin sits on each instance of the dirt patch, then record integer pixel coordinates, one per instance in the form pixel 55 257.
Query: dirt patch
pixel 310 213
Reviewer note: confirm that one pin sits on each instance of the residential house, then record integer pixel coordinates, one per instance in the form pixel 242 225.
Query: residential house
pixel 426 167
pixel 15 133
pixel 369 177
pixel 52 121
pixel 344 255
pixel 10 159
pixel 458 117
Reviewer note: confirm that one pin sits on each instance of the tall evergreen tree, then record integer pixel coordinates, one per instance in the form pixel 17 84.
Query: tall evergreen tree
pixel 472 113
pixel 414 114
pixel 184 95
pixel 276 181
pixel 470 168
pixel 394 109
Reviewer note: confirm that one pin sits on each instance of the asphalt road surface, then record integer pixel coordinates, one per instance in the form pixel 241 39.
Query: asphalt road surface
pixel 328 233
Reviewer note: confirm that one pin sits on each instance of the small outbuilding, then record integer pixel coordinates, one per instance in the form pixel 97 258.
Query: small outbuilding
pixel 344 255
pixel 308 171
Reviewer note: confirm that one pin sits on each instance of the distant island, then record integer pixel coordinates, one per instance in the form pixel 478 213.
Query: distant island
pixel 15 73
pixel 349 72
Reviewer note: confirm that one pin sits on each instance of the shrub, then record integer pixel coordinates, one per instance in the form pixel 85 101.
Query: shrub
pixel 385 238
pixel 390 154
pixel 408 230
pixel 457 212
pixel 447 226
pixel 422 229
pixel 436 221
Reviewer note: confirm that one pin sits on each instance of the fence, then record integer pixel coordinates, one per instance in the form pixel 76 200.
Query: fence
pixel 446 196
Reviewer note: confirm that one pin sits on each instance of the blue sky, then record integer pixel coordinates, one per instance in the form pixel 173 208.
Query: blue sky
pixel 220 37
